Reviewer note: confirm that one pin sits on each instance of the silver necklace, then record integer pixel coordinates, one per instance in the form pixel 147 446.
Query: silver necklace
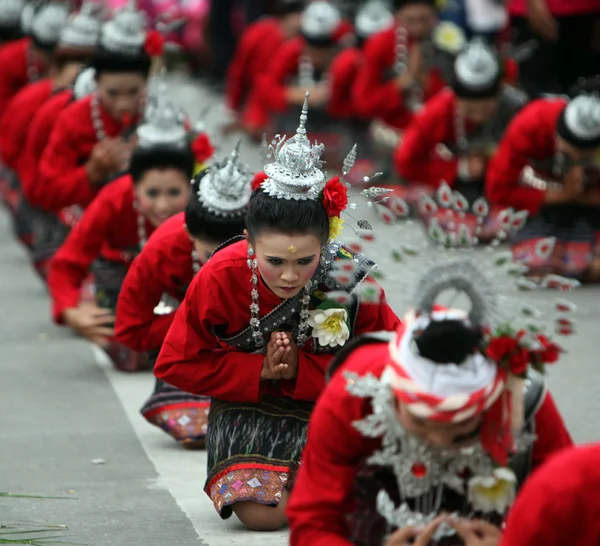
pixel 259 338
pixel 415 94
pixel 97 122
pixel 33 74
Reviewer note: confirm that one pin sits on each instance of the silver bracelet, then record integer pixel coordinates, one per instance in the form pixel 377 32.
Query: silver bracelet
pixel 533 180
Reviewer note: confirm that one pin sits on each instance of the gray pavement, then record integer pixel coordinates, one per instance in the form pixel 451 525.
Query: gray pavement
pixel 62 407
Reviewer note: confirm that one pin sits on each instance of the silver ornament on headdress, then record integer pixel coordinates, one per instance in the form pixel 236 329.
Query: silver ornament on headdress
pixel 48 21
pixel 320 20
pixel 582 116
pixel 162 125
pixel 10 12
pixel 225 189
pixel 476 66
pixel 373 17
pixel 85 84
pixel 296 172
pixel 27 15
pixel 126 32
pixel 83 28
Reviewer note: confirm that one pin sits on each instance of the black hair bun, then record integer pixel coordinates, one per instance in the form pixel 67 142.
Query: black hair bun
pixel 448 341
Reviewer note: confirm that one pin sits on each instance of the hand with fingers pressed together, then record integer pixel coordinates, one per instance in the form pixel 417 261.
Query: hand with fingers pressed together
pixel 416 536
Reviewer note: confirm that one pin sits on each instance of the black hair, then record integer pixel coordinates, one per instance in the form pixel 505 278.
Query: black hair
pixel 285 7
pixel 399 4
pixel 67 55
pixel 287 216
pixel 203 224
pixel 9 33
pixel 103 60
pixel 42 45
pixel 161 157
pixel 448 341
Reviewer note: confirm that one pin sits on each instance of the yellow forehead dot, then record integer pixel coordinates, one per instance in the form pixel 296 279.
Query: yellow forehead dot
pixel 292 249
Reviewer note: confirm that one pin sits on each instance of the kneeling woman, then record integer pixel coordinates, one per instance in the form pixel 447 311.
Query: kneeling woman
pixel 258 327
pixel 117 225
pixel 165 267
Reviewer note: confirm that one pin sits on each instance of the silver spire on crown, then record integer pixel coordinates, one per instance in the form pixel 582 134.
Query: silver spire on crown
pixel 582 116
pixel 296 172
pixel 126 32
pixel 162 126
pixel 83 28
pixel 225 189
pixel 476 66
pixel 10 12
pixel 48 21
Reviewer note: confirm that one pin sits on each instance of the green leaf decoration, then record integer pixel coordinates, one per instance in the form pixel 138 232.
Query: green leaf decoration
pixel 397 256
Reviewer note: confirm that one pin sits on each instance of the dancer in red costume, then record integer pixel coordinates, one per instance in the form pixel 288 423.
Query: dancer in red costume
pixel 452 139
pixel 447 415
pixel 117 225
pixel 259 325
pixel 548 163
pixel 158 279
pixel 92 142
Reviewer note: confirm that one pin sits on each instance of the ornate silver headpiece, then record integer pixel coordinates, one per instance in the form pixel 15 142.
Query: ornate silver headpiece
pixel 10 12
pixel 296 172
pixel 373 17
pixel 320 20
pixel 162 126
pixel 126 31
pixel 85 84
pixel 48 21
pixel 582 116
pixel 27 15
pixel 83 28
pixel 225 189
pixel 476 67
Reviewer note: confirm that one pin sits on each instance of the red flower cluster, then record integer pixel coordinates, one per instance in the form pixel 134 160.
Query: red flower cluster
pixel 335 197
pixel 506 349
pixel 202 148
pixel 155 44
pixel 258 179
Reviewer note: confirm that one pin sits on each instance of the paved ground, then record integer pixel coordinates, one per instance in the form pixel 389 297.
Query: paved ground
pixel 62 407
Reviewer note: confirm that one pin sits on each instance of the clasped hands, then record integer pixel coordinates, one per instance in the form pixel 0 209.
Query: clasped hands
pixel 281 360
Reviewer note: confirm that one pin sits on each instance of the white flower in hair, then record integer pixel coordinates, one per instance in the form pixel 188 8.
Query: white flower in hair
pixel 449 37
pixel 330 326
pixel 85 84
pixel 10 12
pixel 494 493
pixel 126 32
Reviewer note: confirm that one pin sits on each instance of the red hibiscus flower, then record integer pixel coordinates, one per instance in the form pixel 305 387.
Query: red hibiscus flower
pixel 258 179
pixel 550 351
pixel 335 197
pixel 202 148
pixel 519 362
pixel 155 45
pixel 501 347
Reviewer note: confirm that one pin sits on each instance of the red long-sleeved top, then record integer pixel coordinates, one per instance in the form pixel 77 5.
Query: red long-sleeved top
pixel 560 503
pixel 17 118
pixel 62 169
pixel 36 139
pixel 110 222
pixel 269 96
pixel 323 491
pixel 558 8
pixel 252 58
pixel 531 136
pixel 376 96
pixel 163 266
pixel 193 359
pixel 14 67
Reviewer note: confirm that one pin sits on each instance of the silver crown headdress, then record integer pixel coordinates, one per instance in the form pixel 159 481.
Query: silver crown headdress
pixel 476 66
pixel 582 116
pixel 83 28
pixel 85 83
pixel 10 12
pixel 296 172
pixel 126 31
pixel 162 125
pixel 27 15
pixel 373 17
pixel 320 20
pixel 48 22
pixel 225 189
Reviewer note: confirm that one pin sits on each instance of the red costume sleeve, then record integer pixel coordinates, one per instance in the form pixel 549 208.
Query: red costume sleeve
pixel 343 73
pixel 415 158
pixel 36 140
pixel 552 434
pixel 17 118
pixel 64 179
pixel 520 144
pixel 191 358
pixel 323 491
pixel 13 70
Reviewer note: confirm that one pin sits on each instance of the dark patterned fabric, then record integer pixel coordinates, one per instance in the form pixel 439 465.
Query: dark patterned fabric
pixel 49 233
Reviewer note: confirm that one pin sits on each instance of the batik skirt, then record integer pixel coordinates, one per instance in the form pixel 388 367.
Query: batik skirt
pixel 181 415
pixel 108 279
pixel 254 450
pixel 577 232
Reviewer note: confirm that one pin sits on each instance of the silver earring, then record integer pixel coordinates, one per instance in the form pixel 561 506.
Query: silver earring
pixel 250 251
